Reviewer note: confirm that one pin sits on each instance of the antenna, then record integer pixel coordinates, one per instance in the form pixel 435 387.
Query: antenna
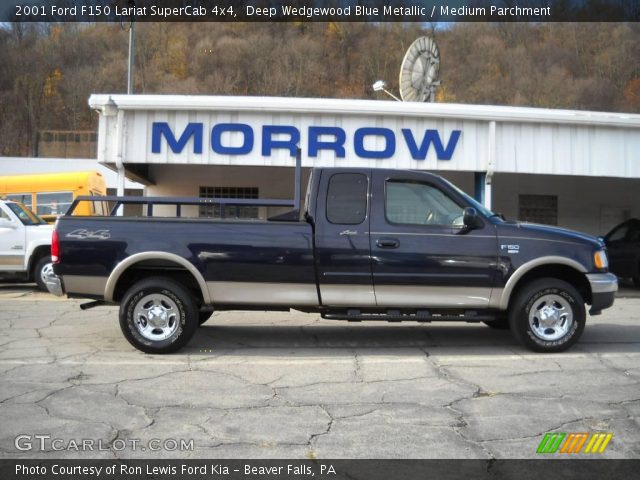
pixel 419 71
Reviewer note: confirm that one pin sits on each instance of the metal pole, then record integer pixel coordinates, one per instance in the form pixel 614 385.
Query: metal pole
pixel 298 180
pixel 491 162
pixel 132 46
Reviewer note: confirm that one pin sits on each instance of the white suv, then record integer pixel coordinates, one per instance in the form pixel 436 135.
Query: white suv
pixel 25 245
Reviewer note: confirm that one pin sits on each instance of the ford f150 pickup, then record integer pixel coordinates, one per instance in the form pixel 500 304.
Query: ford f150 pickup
pixel 368 244
pixel 25 245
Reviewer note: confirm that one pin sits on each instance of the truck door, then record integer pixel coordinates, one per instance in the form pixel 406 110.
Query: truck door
pixel 419 256
pixel 343 254
pixel 623 244
pixel 12 241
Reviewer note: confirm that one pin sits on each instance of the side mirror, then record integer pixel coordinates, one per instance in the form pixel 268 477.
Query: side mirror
pixel 470 219
pixel 5 223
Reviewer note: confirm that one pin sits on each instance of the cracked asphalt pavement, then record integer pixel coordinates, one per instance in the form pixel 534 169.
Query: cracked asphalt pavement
pixel 291 385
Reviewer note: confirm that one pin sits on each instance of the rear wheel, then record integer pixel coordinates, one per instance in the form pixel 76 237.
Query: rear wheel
pixel 547 315
pixel 157 315
pixel 42 269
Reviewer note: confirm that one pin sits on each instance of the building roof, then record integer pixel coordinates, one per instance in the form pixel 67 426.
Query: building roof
pixel 364 107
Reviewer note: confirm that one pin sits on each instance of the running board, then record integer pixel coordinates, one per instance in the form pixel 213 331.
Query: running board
pixel 355 315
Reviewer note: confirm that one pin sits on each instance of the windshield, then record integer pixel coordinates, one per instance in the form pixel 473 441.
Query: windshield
pixel 26 216
pixel 474 203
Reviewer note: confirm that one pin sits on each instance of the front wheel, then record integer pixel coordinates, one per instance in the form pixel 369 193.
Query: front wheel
pixel 42 270
pixel 157 315
pixel 547 315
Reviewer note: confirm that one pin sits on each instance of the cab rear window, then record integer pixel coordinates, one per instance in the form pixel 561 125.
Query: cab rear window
pixel 347 199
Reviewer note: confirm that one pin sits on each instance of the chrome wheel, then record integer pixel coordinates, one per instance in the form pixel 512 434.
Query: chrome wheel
pixel 46 272
pixel 156 317
pixel 550 317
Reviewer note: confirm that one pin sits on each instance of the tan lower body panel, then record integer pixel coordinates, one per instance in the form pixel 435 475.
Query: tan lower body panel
pixel 432 297
pixel 256 293
pixel 347 295
pixel 305 294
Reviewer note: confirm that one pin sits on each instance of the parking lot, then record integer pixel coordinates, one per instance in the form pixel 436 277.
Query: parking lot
pixel 290 385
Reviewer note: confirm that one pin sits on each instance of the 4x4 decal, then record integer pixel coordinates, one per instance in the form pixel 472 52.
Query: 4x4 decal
pixel 85 234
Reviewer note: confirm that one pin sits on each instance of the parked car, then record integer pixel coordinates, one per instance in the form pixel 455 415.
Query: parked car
pixel 25 245
pixel 369 244
pixel 623 248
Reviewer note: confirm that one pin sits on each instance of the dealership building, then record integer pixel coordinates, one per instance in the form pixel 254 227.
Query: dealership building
pixel 575 169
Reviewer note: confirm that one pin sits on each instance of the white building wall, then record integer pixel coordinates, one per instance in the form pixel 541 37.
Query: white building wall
pixel 527 140
pixel 567 149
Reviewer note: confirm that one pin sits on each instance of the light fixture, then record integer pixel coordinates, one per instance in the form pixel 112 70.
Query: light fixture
pixel 380 85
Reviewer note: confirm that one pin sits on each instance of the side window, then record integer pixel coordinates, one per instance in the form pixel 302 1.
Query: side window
pixel 634 234
pixel 4 214
pixel 619 233
pixel 347 198
pixel 53 203
pixel 416 203
pixel 24 198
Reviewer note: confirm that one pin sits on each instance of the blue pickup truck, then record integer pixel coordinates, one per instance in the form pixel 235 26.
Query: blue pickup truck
pixel 367 244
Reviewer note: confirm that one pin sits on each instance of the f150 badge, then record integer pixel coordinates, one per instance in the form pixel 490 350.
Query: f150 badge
pixel 510 248
pixel 85 234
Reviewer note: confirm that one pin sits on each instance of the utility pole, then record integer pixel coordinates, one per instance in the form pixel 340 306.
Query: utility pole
pixel 132 47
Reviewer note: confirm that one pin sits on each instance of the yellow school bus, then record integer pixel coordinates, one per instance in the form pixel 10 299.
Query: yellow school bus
pixel 51 194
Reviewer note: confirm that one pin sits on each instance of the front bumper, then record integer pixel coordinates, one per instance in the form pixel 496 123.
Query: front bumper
pixel 54 285
pixel 603 291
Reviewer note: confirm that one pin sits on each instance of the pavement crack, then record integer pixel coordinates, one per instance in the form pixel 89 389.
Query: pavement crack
pixel 314 436
pixel 461 421
pixel 358 367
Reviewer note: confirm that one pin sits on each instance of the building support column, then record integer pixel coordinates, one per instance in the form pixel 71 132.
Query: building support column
pixel 483 180
pixel 479 183
pixel 119 157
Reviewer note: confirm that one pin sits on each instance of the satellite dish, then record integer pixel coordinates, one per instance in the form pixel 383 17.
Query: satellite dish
pixel 419 71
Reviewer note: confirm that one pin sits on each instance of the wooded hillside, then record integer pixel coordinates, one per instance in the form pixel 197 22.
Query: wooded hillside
pixel 48 71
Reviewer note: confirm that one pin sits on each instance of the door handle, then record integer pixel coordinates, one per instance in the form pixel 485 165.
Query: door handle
pixel 388 243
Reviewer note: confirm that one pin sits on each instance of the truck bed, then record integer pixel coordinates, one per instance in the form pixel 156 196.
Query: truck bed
pixel 273 256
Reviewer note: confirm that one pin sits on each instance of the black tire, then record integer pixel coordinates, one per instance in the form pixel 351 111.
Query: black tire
pixel 530 297
pixel 204 315
pixel 163 293
pixel 636 281
pixel 39 268
pixel 498 324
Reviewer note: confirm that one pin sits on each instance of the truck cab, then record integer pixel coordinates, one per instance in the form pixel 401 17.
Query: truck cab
pixel 25 245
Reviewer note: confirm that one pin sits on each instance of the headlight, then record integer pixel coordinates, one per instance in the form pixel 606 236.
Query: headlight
pixel 600 260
